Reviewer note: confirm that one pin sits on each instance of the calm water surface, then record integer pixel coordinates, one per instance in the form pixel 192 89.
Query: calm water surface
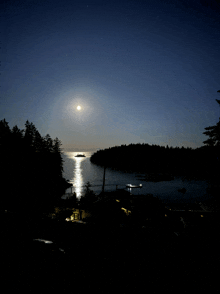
pixel 79 170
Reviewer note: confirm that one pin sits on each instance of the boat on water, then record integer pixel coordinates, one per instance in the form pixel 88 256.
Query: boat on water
pixel 133 186
pixel 80 155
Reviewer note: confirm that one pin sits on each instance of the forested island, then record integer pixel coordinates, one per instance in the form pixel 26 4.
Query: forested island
pixel 160 160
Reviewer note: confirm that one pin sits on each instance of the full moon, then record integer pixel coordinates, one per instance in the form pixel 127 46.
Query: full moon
pixel 78 107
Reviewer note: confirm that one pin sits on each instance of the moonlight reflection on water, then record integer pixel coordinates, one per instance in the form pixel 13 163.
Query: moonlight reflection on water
pixel 79 170
pixel 78 177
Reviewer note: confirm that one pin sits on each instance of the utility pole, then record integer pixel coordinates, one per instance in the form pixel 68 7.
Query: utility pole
pixel 103 185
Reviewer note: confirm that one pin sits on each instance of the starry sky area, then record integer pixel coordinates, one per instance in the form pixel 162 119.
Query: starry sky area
pixel 142 71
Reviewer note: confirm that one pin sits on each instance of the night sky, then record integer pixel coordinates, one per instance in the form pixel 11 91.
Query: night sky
pixel 142 71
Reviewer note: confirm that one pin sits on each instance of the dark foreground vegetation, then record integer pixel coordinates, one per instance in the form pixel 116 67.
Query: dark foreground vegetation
pixel 111 251
pixel 31 169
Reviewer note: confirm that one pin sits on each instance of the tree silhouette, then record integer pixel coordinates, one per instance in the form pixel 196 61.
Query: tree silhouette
pixel 213 145
pixel 38 142
pixel 89 196
pixel 29 135
pixel 31 169
pixel 213 132
pixel 5 134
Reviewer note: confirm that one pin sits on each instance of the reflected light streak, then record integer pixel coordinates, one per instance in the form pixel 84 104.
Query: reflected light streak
pixel 78 179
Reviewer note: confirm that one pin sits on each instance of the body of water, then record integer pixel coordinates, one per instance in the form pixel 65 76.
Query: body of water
pixel 79 170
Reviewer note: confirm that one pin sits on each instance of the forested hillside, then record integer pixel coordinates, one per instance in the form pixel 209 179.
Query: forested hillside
pixel 31 168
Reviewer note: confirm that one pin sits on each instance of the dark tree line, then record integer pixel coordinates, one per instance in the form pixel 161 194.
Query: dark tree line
pixel 31 168
pixel 147 158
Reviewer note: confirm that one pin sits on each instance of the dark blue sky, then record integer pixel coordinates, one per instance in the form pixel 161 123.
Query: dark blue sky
pixel 142 71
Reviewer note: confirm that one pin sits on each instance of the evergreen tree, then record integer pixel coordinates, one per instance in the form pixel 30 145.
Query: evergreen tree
pixel 29 135
pixel 31 169
pixel 57 145
pixel 214 133
pixel 5 134
pixel 58 154
pixel 213 145
pixel 17 133
pixel 48 143
pixel 38 142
